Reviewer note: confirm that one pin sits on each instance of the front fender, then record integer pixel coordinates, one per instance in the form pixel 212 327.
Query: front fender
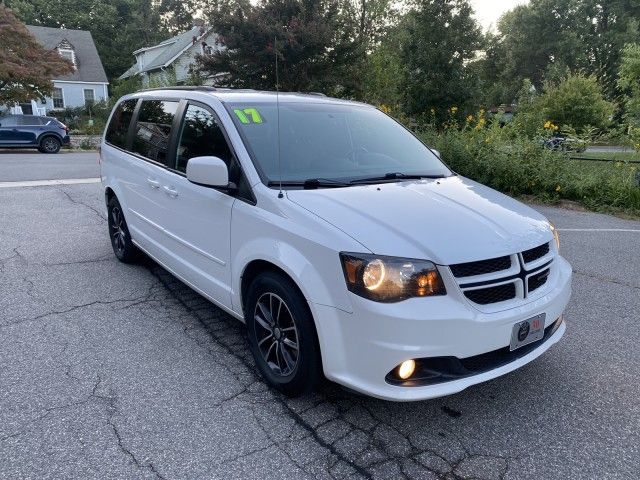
pixel 307 271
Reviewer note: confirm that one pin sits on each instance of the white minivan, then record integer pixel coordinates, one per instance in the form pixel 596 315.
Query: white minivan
pixel 349 249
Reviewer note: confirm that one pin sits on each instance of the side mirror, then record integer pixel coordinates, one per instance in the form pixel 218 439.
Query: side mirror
pixel 437 152
pixel 208 172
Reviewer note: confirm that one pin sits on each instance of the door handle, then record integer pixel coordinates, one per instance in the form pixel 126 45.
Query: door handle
pixel 153 183
pixel 170 191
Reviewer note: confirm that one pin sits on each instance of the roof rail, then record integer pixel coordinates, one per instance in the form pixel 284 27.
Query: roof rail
pixel 200 88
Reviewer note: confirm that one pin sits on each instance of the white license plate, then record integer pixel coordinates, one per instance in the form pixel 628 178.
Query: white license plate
pixel 527 331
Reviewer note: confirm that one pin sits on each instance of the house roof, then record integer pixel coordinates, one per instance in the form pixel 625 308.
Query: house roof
pixel 172 50
pixel 88 65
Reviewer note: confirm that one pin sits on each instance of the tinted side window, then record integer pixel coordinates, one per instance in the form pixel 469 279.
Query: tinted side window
pixel 201 136
pixel 8 121
pixel 153 129
pixel 29 120
pixel 119 126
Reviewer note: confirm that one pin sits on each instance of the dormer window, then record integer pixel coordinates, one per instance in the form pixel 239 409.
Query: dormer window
pixel 68 54
pixel 65 49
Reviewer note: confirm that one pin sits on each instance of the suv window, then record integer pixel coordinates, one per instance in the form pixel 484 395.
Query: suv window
pixel 29 120
pixel 119 126
pixel 201 136
pixel 153 129
pixel 8 121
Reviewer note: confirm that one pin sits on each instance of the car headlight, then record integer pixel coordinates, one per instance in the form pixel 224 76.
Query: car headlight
pixel 390 279
pixel 556 235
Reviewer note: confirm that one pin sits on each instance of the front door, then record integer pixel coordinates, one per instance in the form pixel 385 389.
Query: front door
pixel 198 219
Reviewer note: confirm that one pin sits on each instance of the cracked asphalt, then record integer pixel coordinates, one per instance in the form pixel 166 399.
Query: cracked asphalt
pixel 118 371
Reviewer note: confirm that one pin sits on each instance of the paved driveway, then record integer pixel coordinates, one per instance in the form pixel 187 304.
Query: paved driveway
pixel 116 371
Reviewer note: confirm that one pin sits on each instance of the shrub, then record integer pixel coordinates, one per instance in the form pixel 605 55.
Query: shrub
pixel 576 102
pixel 519 166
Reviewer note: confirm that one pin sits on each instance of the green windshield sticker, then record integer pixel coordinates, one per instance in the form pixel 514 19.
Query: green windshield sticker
pixel 248 115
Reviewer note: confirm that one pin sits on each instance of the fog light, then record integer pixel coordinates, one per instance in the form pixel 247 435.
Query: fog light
pixel 406 369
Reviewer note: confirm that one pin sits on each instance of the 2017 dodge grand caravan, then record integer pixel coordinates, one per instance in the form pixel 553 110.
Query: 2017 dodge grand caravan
pixel 345 244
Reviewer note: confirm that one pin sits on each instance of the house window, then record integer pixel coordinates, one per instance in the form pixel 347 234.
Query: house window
pixel 58 98
pixel 89 96
pixel 68 54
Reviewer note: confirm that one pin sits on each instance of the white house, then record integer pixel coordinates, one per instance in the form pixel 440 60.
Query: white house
pixel 173 56
pixel 87 83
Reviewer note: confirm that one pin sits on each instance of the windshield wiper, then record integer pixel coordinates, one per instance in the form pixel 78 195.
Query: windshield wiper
pixel 311 183
pixel 394 176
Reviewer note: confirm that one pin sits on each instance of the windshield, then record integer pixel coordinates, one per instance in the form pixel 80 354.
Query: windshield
pixel 331 142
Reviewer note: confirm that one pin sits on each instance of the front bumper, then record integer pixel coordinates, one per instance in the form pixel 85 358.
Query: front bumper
pixel 360 348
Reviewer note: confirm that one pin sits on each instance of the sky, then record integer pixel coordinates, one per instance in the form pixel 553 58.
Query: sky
pixel 488 11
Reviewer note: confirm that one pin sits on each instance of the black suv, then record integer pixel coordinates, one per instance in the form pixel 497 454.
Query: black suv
pixel 30 131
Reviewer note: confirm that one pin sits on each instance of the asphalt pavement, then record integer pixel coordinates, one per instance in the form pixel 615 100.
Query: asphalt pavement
pixel 17 165
pixel 120 371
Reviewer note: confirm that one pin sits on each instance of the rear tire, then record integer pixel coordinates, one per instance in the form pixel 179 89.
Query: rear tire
pixel 282 335
pixel 123 247
pixel 50 145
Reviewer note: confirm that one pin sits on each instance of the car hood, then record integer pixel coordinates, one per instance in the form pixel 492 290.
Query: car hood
pixel 449 220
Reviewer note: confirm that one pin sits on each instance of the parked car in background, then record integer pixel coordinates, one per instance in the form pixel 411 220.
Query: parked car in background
pixel 565 144
pixel 47 134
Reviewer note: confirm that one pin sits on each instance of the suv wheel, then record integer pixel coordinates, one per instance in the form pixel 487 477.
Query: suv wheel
pixel 123 248
pixel 49 145
pixel 282 335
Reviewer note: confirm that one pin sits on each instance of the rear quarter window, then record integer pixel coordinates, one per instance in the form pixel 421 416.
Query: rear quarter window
pixel 119 126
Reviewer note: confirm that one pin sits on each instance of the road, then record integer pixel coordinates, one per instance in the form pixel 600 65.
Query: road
pixel 120 371
pixel 17 165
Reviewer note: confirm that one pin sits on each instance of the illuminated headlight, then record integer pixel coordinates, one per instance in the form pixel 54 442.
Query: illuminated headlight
pixel 390 279
pixel 556 235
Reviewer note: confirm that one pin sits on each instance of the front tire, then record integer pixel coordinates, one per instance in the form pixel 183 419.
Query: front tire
pixel 123 247
pixel 282 335
pixel 50 145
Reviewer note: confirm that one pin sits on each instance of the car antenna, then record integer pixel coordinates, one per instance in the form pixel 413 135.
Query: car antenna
pixel 275 44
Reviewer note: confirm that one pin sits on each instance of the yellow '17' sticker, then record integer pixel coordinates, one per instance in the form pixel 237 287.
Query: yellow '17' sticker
pixel 248 115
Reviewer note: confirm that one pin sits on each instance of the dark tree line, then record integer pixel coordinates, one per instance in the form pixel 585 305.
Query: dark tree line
pixel 416 55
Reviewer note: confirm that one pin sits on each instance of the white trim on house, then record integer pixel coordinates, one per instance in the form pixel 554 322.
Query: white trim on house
pixel 78 81
pixel 53 100
pixel 93 94
pixel 207 32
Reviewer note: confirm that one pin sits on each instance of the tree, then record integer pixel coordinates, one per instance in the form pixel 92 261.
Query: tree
pixel 629 81
pixel 26 68
pixel 118 27
pixel 544 37
pixel 576 102
pixel 316 47
pixel 440 38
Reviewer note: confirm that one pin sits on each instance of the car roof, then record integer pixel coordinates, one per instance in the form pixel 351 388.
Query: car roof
pixel 230 95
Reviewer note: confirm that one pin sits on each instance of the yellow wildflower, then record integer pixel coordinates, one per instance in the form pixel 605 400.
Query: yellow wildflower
pixel 558 188
pixel 454 109
pixel 470 118
pixel 433 111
